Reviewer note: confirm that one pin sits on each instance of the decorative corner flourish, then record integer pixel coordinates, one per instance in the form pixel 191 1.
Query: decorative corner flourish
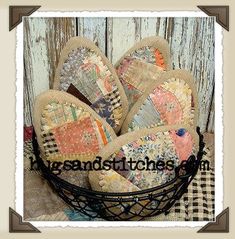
pixel 16 225
pixel 220 12
pixel 221 225
pixel 17 12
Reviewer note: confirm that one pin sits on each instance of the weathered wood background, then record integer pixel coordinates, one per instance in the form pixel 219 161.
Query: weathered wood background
pixel 191 42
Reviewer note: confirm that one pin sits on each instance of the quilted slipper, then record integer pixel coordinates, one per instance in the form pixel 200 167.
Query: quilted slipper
pixel 162 148
pixel 155 52
pixel 84 71
pixel 68 129
pixel 172 99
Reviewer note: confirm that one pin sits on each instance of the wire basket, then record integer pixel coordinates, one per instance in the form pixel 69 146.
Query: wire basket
pixel 124 206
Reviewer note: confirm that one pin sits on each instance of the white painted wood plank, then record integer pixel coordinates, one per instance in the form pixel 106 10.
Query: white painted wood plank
pixel 161 27
pixel 148 26
pixel 36 57
pixel 44 39
pixel 94 29
pixel 122 34
pixel 152 26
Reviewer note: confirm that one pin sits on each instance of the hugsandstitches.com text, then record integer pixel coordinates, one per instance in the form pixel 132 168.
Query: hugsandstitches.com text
pixel 118 165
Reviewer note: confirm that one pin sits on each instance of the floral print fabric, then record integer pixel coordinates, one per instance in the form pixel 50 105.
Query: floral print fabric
pixel 174 145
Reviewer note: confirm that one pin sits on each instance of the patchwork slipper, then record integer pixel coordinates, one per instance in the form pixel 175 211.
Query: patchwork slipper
pixel 162 148
pixel 150 54
pixel 67 129
pixel 170 100
pixel 175 143
pixel 85 72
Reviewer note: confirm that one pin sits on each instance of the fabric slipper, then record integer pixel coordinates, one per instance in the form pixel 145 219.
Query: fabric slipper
pixel 175 143
pixel 68 130
pixel 170 100
pixel 85 72
pixel 166 146
pixel 155 52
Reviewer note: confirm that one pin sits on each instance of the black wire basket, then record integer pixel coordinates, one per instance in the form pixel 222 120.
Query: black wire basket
pixel 124 206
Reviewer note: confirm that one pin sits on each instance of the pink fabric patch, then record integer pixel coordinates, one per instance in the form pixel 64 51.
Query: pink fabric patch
pixel 76 137
pixel 183 145
pixel 167 105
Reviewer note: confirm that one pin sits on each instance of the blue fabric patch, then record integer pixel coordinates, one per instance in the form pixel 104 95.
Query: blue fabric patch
pixel 147 115
pixel 104 109
pixel 181 132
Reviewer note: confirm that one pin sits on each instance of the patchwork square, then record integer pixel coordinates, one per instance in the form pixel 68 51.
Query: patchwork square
pixel 104 109
pixel 77 137
pixel 57 114
pixel 167 105
pixel 141 74
pixel 148 116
